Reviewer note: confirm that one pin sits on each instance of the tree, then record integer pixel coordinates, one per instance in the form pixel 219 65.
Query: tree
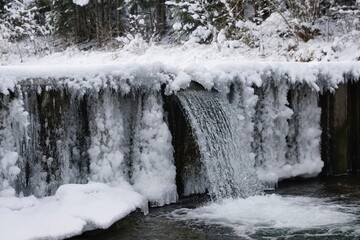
pixel 19 20
pixel 215 16
pixel 21 23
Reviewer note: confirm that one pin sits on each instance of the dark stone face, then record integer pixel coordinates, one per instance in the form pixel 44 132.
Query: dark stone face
pixel 354 126
pixel 340 123
pixel 186 150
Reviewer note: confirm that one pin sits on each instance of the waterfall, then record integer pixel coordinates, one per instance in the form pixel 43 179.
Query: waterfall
pixel 227 162
pixel 50 136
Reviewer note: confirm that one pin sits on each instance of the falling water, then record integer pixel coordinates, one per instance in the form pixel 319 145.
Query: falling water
pixel 228 165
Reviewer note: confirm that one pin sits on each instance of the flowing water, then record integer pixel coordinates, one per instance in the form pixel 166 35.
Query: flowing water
pixel 228 166
pixel 317 209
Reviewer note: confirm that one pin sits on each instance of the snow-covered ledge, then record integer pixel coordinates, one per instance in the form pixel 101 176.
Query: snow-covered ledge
pixel 123 77
pixel 72 210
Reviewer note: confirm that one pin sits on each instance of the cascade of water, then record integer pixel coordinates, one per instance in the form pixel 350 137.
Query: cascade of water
pixel 228 166
pixel 50 137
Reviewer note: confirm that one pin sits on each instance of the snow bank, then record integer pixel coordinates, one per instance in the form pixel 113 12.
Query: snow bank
pixel 150 75
pixel 246 216
pixel 72 210
pixel 121 77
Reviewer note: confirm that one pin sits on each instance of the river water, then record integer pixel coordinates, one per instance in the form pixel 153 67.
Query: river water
pixel 314 209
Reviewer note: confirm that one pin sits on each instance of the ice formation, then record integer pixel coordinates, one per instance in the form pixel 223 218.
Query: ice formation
pixel 153 169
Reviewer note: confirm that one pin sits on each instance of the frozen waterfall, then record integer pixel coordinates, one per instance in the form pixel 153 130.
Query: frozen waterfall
pixel 50 137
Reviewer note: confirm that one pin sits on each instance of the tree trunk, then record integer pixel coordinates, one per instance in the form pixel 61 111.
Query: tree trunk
pixel 160 17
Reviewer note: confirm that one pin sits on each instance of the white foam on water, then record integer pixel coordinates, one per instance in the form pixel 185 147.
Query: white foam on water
pixel 247 216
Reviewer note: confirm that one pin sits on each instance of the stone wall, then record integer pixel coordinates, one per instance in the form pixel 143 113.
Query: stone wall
pixel 340 123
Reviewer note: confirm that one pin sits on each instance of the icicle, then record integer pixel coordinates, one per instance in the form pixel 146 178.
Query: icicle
pixel 108 143
pixel 13 130
pixel 72 149
pixel 305 133
pixel 55 152
pixel 271 130
pixel 153 169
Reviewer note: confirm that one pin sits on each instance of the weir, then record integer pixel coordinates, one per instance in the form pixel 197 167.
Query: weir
pixel 228 144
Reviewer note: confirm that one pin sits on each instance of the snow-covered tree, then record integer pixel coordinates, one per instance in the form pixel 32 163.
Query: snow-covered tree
pixel 19 20
pixel 22 22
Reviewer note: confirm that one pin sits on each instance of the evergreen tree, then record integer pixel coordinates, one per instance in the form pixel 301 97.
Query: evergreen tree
pixel 104 20
pixel 19 20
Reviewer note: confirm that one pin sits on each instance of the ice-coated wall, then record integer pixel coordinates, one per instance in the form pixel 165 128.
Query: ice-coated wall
pixel 52 136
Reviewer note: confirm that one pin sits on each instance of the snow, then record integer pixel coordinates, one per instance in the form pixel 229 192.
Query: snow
pixel 72 210
pixel 127 74
pixel 147 66
pixel 246 216
pixel 81 2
